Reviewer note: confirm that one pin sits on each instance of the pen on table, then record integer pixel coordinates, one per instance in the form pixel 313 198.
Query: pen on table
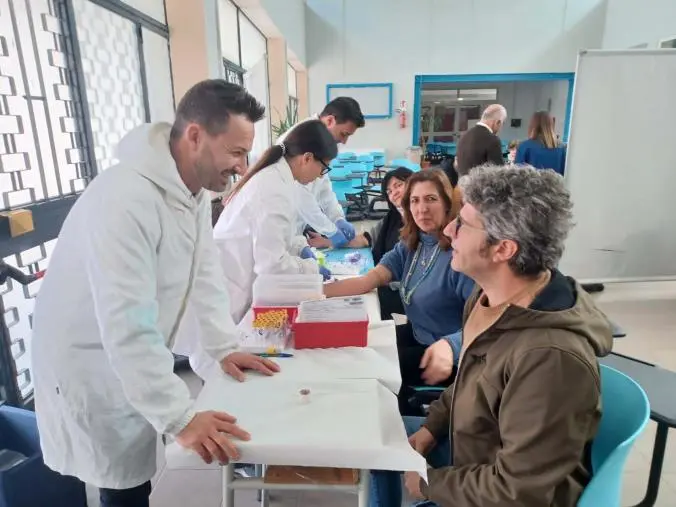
pixel 274 354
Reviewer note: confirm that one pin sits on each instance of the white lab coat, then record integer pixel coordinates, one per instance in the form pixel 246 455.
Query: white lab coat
pixel 255 234
pixel 134 249
pixel 318 205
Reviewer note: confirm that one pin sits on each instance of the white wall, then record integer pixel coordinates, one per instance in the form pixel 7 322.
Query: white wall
pixel 289 18
pixel 522 99
pixel 393 40
pixel 633 22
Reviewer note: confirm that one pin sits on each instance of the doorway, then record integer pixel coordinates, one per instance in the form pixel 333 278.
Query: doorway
pixel 446 106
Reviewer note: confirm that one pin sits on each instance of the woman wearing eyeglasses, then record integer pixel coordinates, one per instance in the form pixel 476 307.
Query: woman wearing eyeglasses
pixel 255 233
pixel 432 292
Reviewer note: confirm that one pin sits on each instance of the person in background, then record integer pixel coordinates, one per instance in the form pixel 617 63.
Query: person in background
pixel 256 234
pixel 433 293
pixel 511 151
pixel 542 149
pixel 526 403
pixel 382 237
pixel 481 144
pixel 115 293
pixel 318 205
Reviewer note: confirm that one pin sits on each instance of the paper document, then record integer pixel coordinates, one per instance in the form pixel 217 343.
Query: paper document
pixel 348 309
pixel 337 423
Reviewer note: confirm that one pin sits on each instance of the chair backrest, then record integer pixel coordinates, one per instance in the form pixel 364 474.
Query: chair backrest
pixel 339 171
pixel 626 411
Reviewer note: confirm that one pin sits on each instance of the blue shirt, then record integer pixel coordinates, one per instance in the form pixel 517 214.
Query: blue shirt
pixel 536 154
pixel 437 305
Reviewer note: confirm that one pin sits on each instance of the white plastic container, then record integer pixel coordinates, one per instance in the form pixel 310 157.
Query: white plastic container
pixel 286 290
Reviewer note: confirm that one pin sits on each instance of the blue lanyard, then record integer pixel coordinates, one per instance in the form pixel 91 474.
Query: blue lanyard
pixel 406 296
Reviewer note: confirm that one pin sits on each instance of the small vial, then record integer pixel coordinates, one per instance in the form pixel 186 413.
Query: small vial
pixel 304 395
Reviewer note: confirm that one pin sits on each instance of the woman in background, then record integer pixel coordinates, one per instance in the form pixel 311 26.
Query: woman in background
pixel 542 150
pixel 433 293
pixel 382 237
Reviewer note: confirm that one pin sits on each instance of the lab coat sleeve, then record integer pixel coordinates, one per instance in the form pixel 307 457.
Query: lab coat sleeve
pixel 210 299
pixel 327 199
pixel 310 212
pixel 121 266
pixel 272 248
pixel 297 244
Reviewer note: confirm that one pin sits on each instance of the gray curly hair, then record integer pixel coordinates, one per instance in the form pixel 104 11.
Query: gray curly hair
pixel 528 206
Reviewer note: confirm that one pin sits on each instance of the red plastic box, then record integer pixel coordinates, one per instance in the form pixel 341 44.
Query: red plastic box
pixel 327 335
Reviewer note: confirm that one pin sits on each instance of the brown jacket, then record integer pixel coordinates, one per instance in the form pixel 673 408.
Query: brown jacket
pixel 525 405
pixel 476 147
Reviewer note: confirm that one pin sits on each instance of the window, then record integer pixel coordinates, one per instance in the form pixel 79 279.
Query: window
pixel 293 89
pixel 447 114
pixel 244 52
pixel 233 72
pixel 75 75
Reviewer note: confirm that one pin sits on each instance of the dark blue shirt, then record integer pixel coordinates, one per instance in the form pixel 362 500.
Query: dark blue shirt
pixel 437 305
pixel 536 154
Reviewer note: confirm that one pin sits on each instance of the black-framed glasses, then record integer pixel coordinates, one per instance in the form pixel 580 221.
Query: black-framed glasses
pixel 326 169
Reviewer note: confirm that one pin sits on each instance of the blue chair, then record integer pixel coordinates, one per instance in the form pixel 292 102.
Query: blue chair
pixel 626 411
pixel 368 161
pixel 28 482
pixel 347 156
pixel 378 158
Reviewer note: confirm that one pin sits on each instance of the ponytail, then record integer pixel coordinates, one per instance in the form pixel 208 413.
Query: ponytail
pixel 271 156
pixel 310 136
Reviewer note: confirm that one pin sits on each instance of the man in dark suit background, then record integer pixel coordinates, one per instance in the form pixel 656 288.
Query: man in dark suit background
pixel 480 144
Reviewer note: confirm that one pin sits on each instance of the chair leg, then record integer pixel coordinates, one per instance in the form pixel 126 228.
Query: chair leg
pixel 655 475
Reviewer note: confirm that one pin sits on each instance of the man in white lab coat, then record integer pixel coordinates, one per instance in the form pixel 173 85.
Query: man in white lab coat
pixel 135 248
pixel 318 205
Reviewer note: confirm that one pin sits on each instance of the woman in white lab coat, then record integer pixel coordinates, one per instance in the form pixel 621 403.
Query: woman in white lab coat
pixel 256 233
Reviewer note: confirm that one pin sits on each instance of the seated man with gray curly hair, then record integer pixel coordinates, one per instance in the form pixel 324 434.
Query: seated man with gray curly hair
pixel 526 402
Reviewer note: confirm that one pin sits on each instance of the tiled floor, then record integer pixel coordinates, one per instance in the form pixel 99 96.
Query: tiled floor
pixel 646 311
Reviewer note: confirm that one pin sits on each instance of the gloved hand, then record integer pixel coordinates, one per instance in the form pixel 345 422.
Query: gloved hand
pixel 325 273
pixel 338 239
pixel 307 253
pixel 346 228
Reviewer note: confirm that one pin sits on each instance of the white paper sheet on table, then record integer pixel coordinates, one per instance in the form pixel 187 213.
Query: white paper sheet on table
pixel 344 423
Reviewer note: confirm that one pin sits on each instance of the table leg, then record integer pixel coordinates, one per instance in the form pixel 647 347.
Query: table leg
pixel 364 488
pixel 659 447
pixel 264 495
pixel 228 472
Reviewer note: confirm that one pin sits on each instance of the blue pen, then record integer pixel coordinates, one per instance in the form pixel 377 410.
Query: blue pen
pixel 275 354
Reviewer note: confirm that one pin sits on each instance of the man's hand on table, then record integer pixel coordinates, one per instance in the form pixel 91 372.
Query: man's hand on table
pixel 208 435
pixel 412 483
pixel 236 363
pixel 437 362
pixel 422 441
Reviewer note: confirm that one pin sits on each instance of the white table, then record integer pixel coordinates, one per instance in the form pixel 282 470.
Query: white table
pixel 350 421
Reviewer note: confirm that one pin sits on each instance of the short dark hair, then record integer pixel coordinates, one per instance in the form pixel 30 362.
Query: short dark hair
pixel 345 109
pixel 210 103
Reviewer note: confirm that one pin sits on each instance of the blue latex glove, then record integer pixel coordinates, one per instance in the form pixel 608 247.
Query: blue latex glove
pixel 346 228
pixel 338 239
pixel 307 253
pixel 325 273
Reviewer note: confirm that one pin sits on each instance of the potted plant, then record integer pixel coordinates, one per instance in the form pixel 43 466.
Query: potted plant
pixel 286 122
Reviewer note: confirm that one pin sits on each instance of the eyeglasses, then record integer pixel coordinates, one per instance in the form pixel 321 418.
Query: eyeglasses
pixel 326 169
pixel 459 222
